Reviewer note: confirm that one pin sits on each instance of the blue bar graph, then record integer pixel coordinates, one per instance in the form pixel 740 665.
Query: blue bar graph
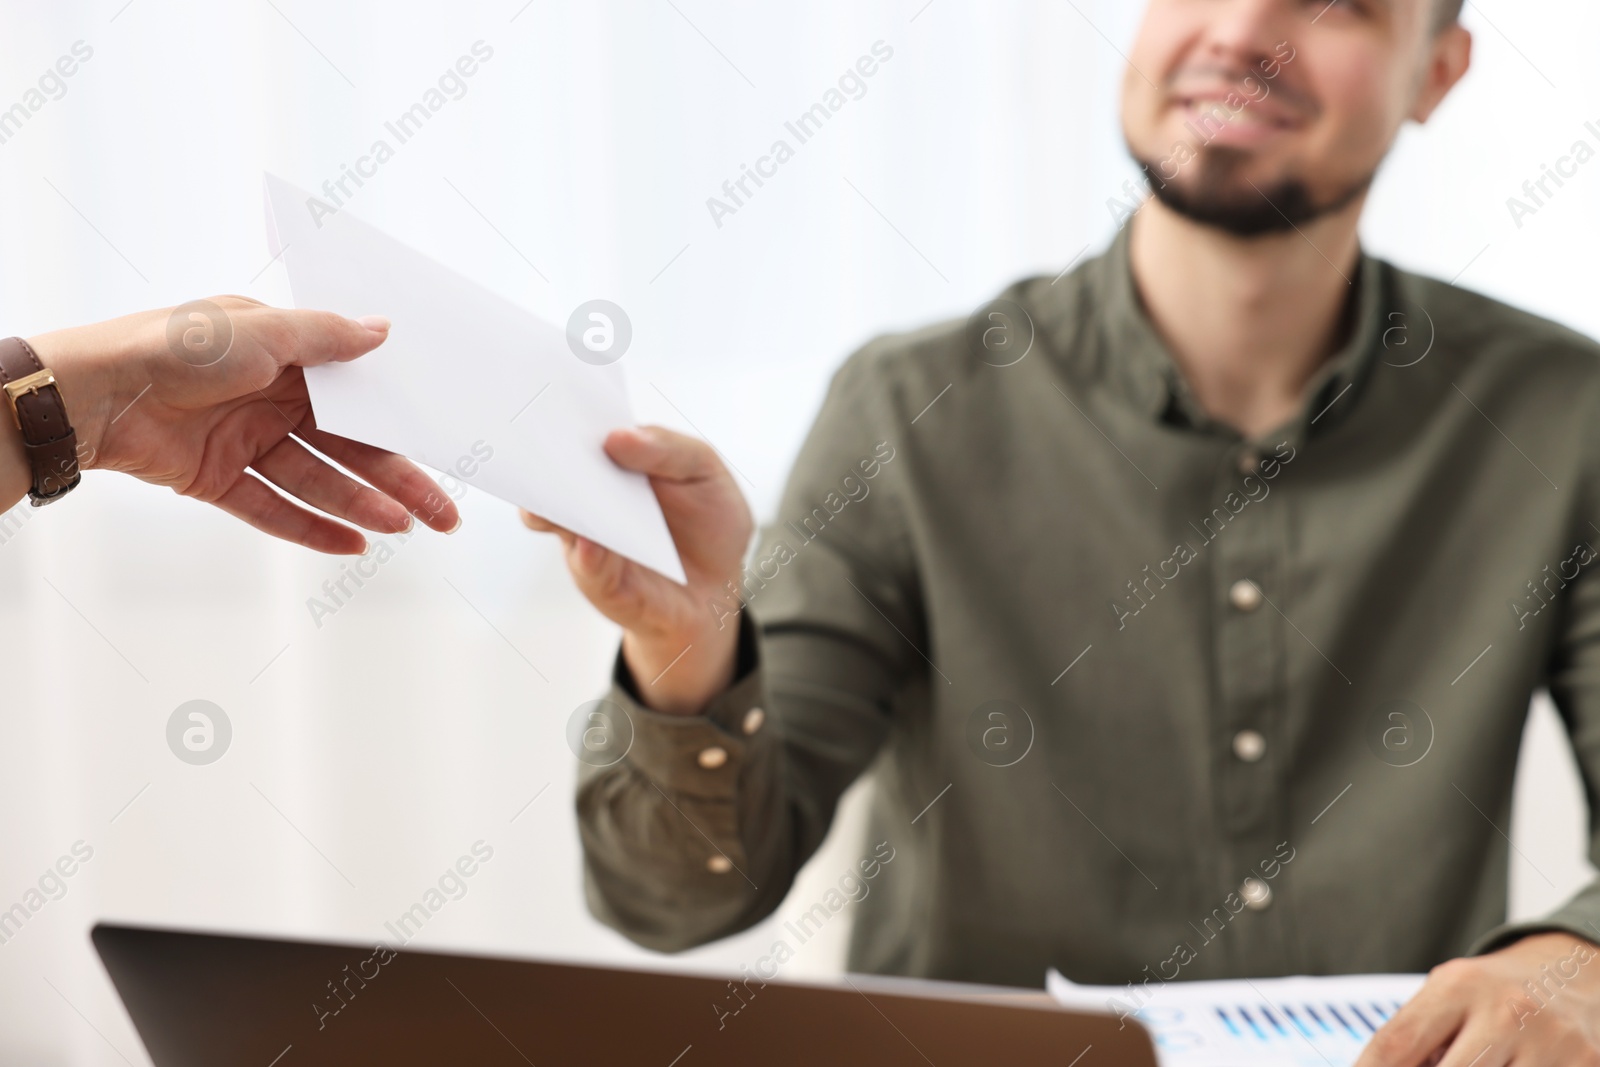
pixel 1296 1027
pixel 1297 1021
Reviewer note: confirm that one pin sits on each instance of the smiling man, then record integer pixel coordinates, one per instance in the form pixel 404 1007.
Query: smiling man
pixel 1167 599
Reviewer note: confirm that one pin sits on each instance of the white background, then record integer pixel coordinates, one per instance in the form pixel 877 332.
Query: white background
pixel 371 752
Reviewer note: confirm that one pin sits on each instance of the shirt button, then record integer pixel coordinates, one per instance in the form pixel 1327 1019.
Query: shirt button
pixel 1257 894
pixel 1244 595
pixel 1249 462
pixel 719 864
pixel 713 757
pixel 753 720
pixel 1249 745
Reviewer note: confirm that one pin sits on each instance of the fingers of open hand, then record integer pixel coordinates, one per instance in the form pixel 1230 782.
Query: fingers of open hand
pixel 394 476
pixel 302 474
pixel 250 499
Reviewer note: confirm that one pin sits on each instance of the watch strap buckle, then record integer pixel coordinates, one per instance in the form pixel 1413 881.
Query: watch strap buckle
pixel 28 384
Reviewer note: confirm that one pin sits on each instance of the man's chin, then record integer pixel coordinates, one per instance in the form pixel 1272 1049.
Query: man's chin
pixel 1237 206
pixel 1241 213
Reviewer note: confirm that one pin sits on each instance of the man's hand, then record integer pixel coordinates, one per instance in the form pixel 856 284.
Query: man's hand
pixel 199 420
pixel 680 651
pixel 1534 1003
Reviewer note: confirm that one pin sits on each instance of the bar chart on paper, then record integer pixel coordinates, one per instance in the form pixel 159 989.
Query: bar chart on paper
pixel 1266 1022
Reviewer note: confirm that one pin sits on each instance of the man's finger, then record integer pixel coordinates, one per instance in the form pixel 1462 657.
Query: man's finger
pixel 393 475
pixel 1476 1046
pixel 661 453
pixel 292 467
pixel 250 499
pixel 596 571
pixel 539 523
pixel 1423 1026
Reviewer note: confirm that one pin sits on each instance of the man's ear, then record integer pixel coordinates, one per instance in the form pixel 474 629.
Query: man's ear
pixel 1449 56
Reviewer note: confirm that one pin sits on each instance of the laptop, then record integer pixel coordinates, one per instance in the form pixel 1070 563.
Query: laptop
pixel 199 998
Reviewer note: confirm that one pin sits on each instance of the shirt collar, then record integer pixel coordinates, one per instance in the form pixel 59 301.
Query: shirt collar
pixel 1138 365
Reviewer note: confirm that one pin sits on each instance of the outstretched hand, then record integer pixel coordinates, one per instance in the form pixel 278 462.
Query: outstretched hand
pixel 210 400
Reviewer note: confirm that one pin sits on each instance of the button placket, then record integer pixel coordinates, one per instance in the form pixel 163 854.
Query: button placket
pixel 1249 654
pixel 1247 561
pixel 1249 664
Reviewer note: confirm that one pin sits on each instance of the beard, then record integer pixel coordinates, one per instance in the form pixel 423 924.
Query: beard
pixel 1220 197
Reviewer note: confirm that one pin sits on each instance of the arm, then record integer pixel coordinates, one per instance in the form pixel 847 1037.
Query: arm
pixel 736 765
pixel 1532 995
pixel 222 428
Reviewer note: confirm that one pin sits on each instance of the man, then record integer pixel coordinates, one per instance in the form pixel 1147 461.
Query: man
pixel 1306 483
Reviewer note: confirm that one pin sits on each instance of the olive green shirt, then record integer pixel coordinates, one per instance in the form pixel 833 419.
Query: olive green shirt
pixel 1141 698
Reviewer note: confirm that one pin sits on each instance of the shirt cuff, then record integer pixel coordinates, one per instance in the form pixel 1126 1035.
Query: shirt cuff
pixel 700 755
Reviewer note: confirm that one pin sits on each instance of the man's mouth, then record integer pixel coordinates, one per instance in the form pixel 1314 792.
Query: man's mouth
pixel 1231 118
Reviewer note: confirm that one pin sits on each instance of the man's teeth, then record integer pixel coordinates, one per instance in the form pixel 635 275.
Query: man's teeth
pixel 1243 116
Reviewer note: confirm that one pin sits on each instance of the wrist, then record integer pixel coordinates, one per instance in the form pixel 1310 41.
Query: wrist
pixel 93 368
pixel 48 396
pixel 680 675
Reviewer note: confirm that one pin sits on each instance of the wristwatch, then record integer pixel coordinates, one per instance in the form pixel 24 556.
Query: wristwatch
pixel 40 413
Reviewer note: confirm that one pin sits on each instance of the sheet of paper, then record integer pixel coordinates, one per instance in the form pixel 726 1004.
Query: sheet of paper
pixel 1260 1022
pixel 463 373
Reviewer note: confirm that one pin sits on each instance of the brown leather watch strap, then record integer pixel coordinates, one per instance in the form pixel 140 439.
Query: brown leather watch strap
pixel 47 437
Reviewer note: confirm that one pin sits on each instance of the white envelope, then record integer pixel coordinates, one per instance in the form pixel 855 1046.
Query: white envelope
pixel 464 369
